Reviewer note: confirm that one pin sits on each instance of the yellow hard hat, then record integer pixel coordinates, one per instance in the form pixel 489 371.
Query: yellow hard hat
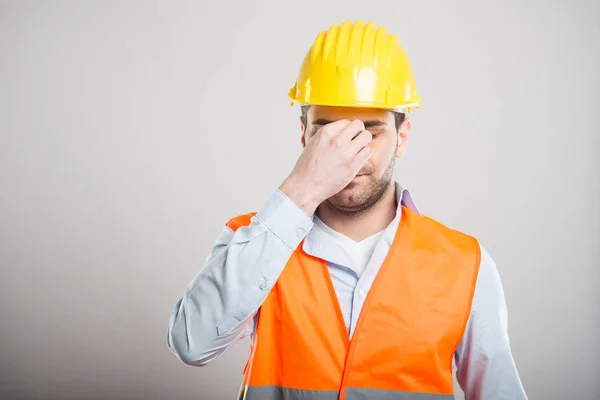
pixel 356 65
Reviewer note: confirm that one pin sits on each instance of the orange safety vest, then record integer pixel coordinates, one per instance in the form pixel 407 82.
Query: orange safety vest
pixel 412 321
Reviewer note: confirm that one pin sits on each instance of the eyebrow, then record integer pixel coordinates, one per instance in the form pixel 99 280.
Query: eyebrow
pixel 368 124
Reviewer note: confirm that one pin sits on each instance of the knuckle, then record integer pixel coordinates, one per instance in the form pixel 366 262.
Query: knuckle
pixel 328 131
pixel 359 124
pixel 339 125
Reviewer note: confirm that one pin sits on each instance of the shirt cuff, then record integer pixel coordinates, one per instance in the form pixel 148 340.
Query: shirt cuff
pixel 285 219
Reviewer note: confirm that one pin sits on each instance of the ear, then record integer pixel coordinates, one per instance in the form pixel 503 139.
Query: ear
pixel 403 135
pixel 302 130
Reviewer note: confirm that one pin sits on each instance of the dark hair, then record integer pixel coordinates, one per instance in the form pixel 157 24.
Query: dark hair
pixel 398 116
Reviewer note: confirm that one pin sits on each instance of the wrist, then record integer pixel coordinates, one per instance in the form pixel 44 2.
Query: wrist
pixel 301 194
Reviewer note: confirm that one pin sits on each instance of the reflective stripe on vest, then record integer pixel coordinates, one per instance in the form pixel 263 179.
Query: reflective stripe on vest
pixel 411 322
pixel 279 393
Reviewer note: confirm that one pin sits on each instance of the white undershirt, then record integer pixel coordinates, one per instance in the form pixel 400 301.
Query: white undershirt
pixel 358 253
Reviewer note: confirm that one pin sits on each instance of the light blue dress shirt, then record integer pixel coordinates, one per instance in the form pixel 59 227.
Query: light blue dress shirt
pixel 219 306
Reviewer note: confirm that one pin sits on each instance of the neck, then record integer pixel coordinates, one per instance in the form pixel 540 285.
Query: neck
pixel 362 225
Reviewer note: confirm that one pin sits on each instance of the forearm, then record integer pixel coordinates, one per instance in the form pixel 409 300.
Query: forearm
pixel 218 305
pixel 207 300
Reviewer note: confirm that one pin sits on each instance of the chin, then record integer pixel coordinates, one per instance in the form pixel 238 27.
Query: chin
pixel 353 195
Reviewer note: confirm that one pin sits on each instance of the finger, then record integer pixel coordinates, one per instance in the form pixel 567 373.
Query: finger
pixel 360 141
pixel 361 158
pixel 334 127
pixel 351 130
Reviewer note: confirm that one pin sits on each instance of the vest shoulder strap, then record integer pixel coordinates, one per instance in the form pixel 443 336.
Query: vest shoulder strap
pixel 444 233
pixel 240 220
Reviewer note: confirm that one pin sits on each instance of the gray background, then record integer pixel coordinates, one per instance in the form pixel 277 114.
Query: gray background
pixel 131 131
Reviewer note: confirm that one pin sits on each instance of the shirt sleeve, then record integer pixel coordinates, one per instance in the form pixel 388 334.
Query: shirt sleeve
pixel 485 368
pixel 218 305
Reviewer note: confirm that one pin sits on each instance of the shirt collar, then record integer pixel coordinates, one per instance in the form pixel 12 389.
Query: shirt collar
pixel 404 198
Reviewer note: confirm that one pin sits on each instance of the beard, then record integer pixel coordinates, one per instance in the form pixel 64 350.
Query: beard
pixel 360 196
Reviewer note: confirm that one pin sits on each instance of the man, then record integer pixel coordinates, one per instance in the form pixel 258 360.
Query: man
pixel 345 288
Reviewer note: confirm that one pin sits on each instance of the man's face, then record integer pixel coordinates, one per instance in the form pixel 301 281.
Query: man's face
pixel 363 192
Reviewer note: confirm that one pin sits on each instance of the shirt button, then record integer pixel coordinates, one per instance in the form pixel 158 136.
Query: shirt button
pixel 362 294
pixel 263 284
pixel 300 232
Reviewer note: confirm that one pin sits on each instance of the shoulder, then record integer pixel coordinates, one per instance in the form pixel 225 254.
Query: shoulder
pixel 489 289
pixel 441 233
pixel 489 283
